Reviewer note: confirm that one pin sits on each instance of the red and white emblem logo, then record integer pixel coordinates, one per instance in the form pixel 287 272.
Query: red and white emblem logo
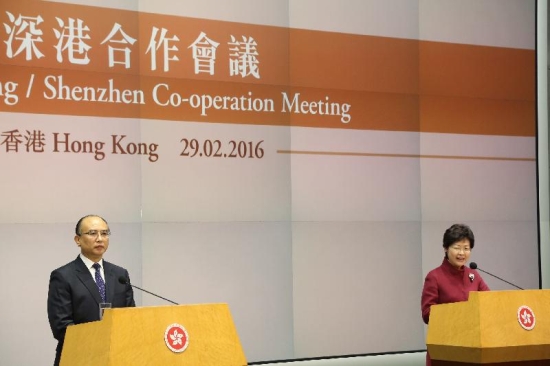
pixel 526 317
pixel 176 338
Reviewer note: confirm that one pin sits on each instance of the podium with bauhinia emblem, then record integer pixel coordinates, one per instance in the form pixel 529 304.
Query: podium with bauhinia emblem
pixel 158 335
pixel 492 328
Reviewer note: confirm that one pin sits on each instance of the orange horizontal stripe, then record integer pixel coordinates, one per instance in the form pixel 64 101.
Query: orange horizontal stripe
pixel 128 96
pixel 449 69
pixel 286 56
pixel 477 116
pixel 356 62
pixel 390 84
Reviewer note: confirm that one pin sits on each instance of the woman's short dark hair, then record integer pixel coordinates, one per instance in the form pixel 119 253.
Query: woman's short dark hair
pixel 456 233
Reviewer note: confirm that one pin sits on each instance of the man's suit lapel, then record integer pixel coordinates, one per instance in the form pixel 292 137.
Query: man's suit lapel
pixel 84 276
pixel 110 279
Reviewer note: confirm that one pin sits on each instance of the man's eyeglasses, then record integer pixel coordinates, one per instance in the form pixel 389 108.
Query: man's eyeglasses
pixel 95 233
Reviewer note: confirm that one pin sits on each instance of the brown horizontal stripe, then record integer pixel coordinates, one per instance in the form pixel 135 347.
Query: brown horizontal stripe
pixel 391 84
pixel 449 69
pixel 356 62
pixel 477 116
pixel 293 57
pixel 62 92
pixel 416 156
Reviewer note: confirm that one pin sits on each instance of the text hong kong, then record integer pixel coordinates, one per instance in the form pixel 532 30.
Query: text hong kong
pixel 35 141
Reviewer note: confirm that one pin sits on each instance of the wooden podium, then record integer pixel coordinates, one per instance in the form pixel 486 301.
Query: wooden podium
pixel 136 336
pixel 492 328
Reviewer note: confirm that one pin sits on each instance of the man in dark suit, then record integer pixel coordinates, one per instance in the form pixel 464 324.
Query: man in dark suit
pixel 77 288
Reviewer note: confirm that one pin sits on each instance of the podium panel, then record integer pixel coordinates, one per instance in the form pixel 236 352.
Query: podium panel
pixel 136 336
pixel 492 327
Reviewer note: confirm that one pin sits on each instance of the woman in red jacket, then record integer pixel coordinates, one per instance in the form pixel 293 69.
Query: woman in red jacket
pixel 452 281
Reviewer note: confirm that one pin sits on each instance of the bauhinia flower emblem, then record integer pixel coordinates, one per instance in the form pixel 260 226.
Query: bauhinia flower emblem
pixel 526 317
pixel 176 338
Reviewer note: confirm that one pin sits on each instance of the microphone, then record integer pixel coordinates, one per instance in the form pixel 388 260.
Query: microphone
pixel 125 281
pixel 473 265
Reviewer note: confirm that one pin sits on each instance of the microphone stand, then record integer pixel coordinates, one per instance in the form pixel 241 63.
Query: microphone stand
pixel 490 274
pixel 125 281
